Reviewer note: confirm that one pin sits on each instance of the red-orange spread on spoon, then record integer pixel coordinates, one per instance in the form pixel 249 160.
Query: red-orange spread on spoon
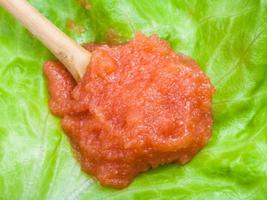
pixel 138 106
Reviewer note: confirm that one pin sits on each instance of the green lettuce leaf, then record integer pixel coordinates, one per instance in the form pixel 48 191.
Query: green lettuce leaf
pixel 229 41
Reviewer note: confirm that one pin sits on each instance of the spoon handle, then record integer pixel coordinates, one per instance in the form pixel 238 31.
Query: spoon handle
pixel 70 53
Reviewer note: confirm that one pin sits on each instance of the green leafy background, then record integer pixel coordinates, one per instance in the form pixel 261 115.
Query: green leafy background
pixel 229 41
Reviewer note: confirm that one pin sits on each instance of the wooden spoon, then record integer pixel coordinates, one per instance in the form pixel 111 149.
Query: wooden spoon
pixel 70 53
